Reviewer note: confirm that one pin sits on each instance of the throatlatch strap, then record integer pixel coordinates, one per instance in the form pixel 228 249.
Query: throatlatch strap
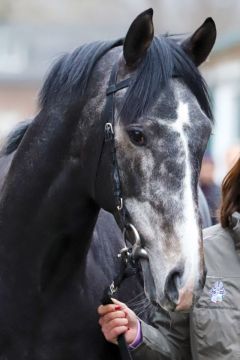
pixel 109 116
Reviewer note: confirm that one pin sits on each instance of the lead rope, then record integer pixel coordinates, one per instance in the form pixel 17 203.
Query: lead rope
pixel 111 291
pixel 127 269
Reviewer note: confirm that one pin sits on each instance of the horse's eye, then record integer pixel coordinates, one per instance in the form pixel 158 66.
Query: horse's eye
pixel 137 137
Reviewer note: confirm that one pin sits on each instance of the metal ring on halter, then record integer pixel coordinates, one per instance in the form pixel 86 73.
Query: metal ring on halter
pixel 137 250
pixel 137 239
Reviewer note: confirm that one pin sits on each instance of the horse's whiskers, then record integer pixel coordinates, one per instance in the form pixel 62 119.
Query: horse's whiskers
pixel 140 296
pixel 148 306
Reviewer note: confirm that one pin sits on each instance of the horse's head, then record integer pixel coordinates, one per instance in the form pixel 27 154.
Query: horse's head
pixel 162 125
pixel 162 122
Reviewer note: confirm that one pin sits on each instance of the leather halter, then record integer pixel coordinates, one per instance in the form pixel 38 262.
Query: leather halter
pixel 128 255
pixel 109 115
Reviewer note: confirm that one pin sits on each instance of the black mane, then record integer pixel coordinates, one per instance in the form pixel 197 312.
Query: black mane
pixel 14 138
pixel 70 74
pixel 165 59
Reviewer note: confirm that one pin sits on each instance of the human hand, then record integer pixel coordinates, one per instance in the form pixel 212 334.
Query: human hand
pixel 116 319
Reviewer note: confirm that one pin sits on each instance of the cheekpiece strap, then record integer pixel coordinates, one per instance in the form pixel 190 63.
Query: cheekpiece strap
pixel 109 115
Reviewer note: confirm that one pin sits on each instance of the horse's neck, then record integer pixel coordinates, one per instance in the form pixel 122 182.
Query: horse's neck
pixel 43 203
pixel 45 253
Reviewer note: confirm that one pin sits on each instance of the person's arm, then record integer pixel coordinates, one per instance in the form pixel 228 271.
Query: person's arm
pixel 166 339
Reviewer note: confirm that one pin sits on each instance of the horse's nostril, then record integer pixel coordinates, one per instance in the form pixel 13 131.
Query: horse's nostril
pixel 173 284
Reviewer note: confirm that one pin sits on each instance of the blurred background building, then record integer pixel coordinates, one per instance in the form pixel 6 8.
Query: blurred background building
pixel 35 33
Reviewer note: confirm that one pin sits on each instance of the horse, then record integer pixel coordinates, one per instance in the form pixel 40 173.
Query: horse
pixel 64 169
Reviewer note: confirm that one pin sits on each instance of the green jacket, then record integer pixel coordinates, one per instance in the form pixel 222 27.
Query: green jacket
pixel 212 330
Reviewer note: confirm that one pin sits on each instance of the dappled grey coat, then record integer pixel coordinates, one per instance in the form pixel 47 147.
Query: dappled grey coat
pixel 212 330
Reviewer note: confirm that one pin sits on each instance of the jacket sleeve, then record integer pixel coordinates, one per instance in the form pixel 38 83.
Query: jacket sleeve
pixel 168 338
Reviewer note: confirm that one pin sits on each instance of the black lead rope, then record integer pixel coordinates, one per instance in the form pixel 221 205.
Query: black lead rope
pixel 109 114
pixel 127 269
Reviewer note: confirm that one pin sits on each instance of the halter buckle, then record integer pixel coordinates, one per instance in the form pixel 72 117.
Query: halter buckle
pixel 125 254
pixel 120 205
pixel 113 288
pixel 109 133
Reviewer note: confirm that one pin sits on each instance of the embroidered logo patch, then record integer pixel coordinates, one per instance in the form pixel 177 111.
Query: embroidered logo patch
pixel 217 292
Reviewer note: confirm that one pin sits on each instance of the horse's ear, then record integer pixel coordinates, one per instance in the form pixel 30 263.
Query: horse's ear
pixel 138 38
pixel 199 45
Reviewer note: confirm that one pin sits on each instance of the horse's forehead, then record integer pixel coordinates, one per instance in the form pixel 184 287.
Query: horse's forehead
pixel 177 105
pixel 165 106
pixel 172 94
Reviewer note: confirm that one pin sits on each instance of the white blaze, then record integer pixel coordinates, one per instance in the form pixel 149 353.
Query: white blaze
pixel 188 229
